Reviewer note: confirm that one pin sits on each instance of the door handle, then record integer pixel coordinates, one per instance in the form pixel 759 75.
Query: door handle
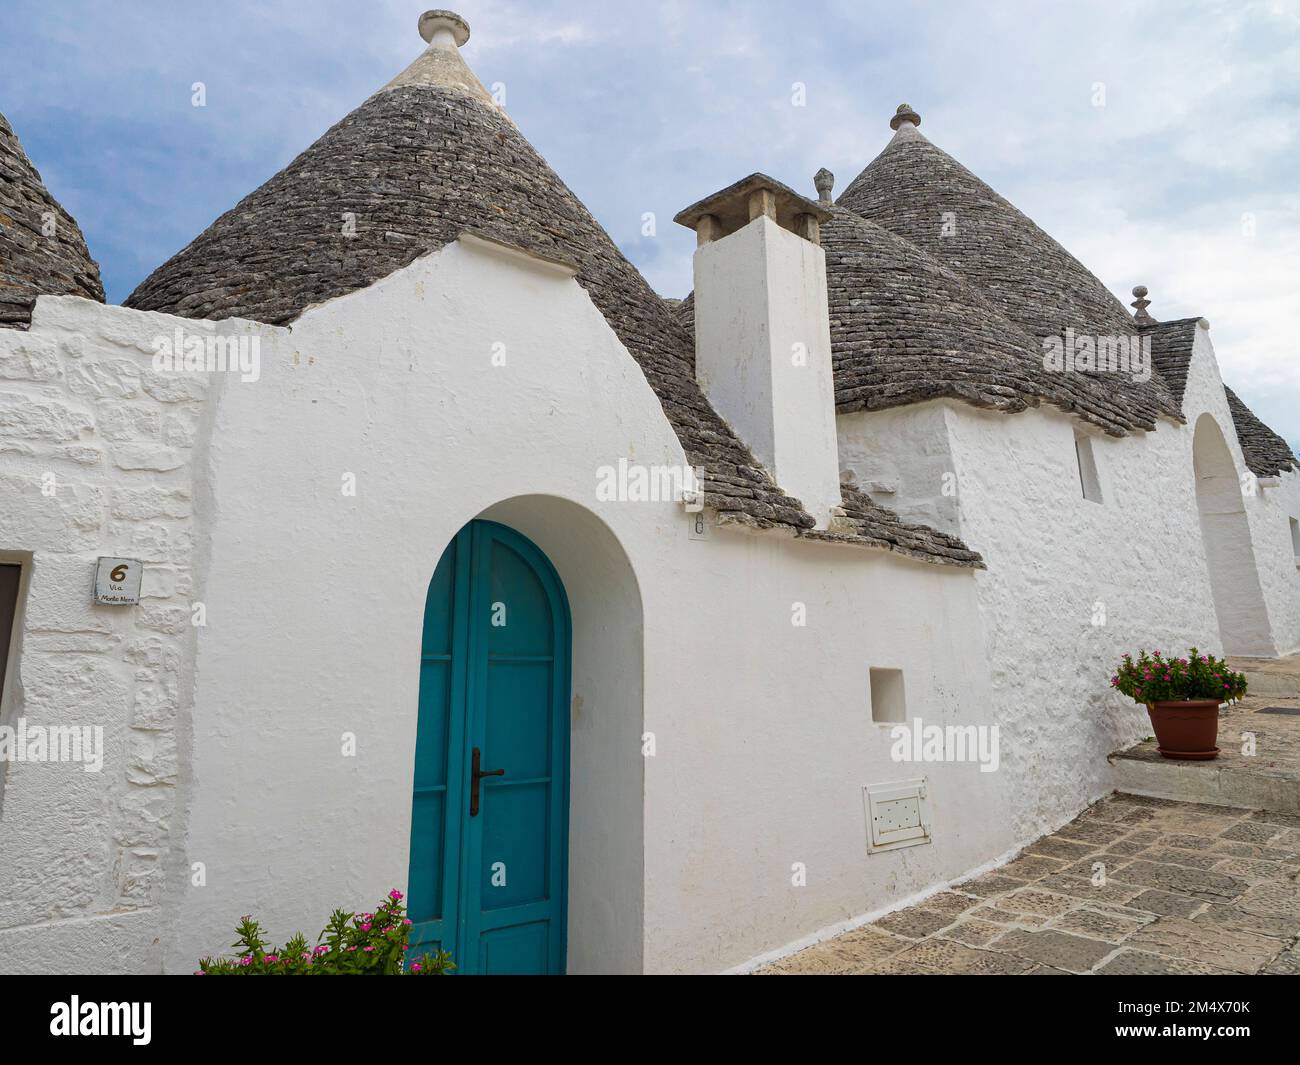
pixel 475 775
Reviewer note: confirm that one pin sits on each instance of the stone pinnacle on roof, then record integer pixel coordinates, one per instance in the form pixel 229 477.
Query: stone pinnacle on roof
pixel 904 114
pixel 1140 315
pixel 824 182
pixel 441 65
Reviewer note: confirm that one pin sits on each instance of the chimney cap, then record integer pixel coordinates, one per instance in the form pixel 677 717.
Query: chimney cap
pixel 904 114
pixel 730 206
pixel 437 19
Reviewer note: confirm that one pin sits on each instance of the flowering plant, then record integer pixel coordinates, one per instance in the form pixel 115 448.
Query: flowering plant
pixel 1155 679
pixel 353 944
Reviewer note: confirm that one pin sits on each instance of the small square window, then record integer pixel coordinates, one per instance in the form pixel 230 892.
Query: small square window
pixel 888 701
pixel 1087 463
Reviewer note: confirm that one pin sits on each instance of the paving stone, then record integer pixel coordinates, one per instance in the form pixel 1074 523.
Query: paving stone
pixel 1285 964
pixel 1111 810
pixel 1241 952
pixel 1071 953
pixel 1275 898
pixel 974 932
pixel 1252 832
pixel 1236 919
pixel 1140 963
pixel 1129 846
pixel 1092 832
pixel 1096 925
pixel 946 956
pixel 1080 888
pixel 1027 900
pixel 1148 800
pixel 1167 903
pixel 1103 864
pixel 950 902
pixel 1284 820
pixel 1053 847
pixel 914 923
pixel 998 914
pixel 1200 883
pixel 1236 849
pixel 1189 842
pixel 991 884
pixel 843 954
pixel 1173 856
pixel 1031 867
pixel 1254 870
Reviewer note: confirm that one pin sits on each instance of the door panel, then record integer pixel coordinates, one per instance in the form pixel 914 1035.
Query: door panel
pixel 494 676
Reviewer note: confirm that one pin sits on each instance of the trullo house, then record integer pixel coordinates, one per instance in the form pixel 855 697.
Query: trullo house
pixel 469 565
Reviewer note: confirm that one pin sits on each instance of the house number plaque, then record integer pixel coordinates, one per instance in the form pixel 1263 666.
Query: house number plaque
pixel 117 581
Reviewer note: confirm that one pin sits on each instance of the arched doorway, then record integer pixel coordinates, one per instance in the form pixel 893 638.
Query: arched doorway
pixel 490 811
pixel 1234 577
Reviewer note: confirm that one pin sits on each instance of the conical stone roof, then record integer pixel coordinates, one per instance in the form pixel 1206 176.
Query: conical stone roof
pixel 42 250
pixel 919 193
pixel 424 160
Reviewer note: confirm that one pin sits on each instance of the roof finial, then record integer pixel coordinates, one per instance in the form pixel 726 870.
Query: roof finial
pixel 904 114
pixel 444 29
pixel 824 181
pixel 1141 303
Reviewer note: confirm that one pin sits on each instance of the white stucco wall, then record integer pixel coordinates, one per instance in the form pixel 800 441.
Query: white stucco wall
pixel 97 457
pixel 1135 564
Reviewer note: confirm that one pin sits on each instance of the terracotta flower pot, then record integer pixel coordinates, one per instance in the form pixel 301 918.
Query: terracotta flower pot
pixel 1187 728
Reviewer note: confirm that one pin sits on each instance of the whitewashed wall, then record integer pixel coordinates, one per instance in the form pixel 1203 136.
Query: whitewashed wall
pixel 97 457
pixel 1135 564
pixel 1268 505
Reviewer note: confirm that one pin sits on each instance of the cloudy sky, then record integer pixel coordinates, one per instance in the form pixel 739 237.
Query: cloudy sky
pixel 1158 141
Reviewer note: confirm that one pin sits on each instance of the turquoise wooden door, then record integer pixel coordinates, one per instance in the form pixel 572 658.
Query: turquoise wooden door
pixel 489 827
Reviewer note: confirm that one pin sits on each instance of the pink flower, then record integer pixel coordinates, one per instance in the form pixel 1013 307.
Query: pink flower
pixel 322 949
pixel 200 972
pixel 367 950
pixel 366 927
pixel 395 895
pixel 406 921
pixel 247 959
pixel 416 967
pixel 270 958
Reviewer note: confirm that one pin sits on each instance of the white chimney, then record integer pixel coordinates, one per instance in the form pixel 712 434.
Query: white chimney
pixel 762 332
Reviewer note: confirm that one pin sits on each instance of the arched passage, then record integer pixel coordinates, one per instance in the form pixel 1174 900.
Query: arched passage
pixel 1234 577
pixel 605 859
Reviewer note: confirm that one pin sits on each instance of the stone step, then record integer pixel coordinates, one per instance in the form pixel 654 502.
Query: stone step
pixel 1267 779
pixel 1270 676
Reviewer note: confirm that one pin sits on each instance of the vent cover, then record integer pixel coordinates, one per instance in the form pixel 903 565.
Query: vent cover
pixel 898 814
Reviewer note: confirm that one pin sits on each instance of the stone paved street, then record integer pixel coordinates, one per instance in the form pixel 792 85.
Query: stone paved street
pixel 1187 889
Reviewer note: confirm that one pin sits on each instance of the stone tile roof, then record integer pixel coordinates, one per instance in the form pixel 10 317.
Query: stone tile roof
pixel 1171 351
pixel 31 263
pixel 1266 453
pixel 867 523
pixel 424 160
pixel 418 165
pixel 921 194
